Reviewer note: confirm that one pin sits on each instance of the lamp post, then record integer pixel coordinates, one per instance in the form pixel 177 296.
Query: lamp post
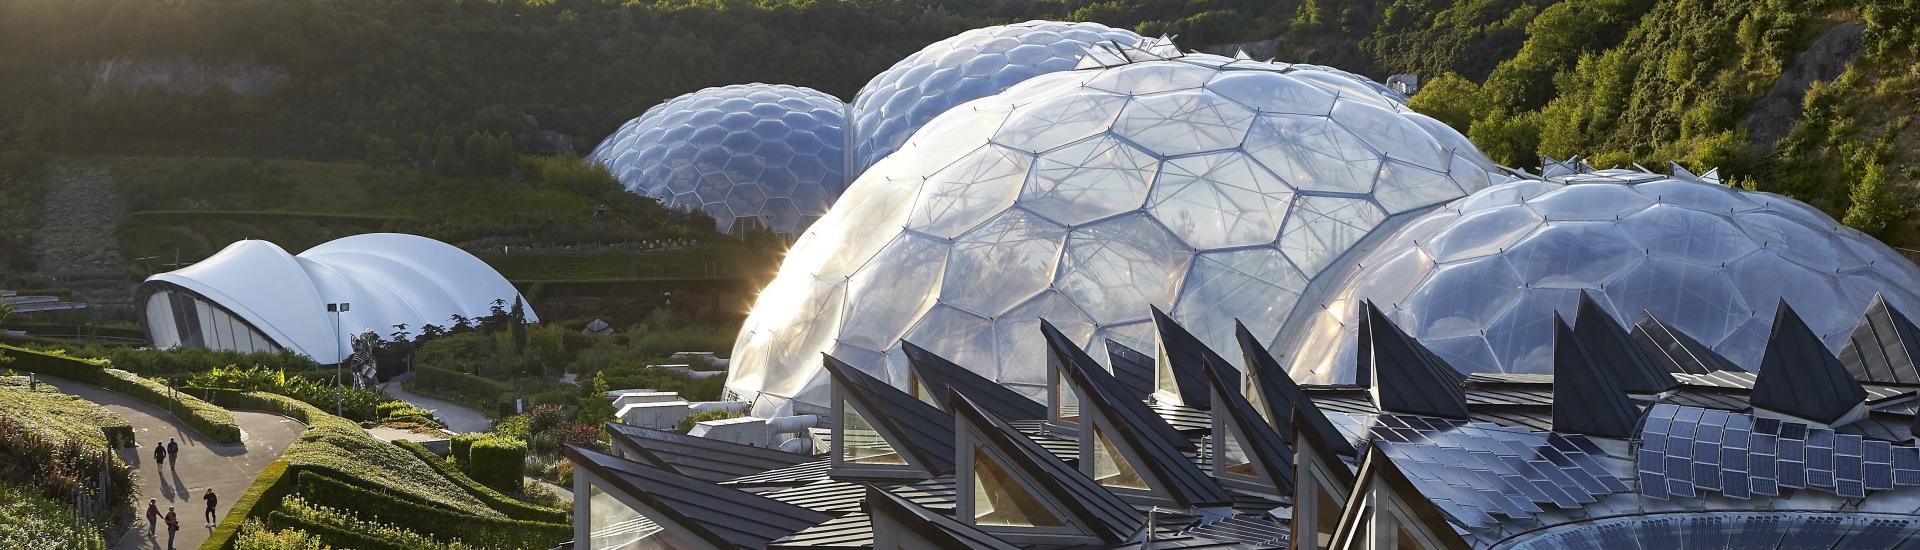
pixel 339 390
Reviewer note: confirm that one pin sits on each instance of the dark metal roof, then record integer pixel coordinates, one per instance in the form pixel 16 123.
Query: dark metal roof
pixel 1132 368
pixel 1183 353
pixel 1799 377
pixel 722 516
pixel 1628 363
pixel 702 458
pixel 1270 452
pixel 1883 347
pixel 1377 468
pixel 1586 399
pixel 1091 506
pixel 1250 530
pixel 915 429
pixel 1091 374
pixel 829 496
pixel 1281 396
pixel 798 474
pixel 1406 376
pixel 1675 351
pixel 935 371
pixel 944 532
pixel 1133 421
pixel 849 532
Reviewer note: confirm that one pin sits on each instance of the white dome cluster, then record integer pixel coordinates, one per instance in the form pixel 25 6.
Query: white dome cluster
pixel 773 153
pixel 1213 187
pixel 971 65
pixel 1477 280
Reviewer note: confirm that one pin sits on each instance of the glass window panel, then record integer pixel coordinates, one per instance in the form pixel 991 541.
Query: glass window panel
pixel 860 443
pixel 1110 468
pixel 1219 200
pixel 1326 517
pixel 1233 457
pixel 1065 401
pixel 1184 122
pixel 998 499
pixel 613 524
pixel 1313 154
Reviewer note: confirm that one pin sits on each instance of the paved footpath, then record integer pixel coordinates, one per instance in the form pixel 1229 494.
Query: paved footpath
pixel 227 469
pixel 458 419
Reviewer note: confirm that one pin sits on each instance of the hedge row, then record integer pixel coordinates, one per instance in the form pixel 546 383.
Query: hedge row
pixel 471 391
pixel 215 422
pixel 436 521
pixel 344 529
pixel 514 508
pixel 261 498
pixel 497 462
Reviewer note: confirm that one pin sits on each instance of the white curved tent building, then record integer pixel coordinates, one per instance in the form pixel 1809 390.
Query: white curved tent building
pixel 254 296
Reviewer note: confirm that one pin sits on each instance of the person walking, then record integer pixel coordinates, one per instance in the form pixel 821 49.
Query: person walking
pixel 173 452
pixel 159 454
pixel 173 526
pixel 212 502
pixel 153 515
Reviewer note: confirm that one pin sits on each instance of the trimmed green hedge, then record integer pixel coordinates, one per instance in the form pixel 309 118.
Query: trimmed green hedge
pixel 497 462
pixel 261 498
pixel 514 508
pixel 473 392
pixel 342 528
pixel 382 505
pixel 460 449
pixel 215 422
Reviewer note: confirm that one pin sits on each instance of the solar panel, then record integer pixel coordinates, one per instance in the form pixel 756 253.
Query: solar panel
pixel 1682 451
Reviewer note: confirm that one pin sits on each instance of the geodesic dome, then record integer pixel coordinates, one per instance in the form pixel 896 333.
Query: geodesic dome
pixel 769 152
pixel 970 65
pixel 1213 187
pixel 1477 280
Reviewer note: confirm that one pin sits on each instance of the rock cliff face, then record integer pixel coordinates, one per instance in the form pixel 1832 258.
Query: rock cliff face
pixel 1773 116
pixel 178 74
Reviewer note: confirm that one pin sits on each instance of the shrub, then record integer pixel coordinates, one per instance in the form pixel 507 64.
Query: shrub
pixel 61 468
pixel 254 535
pixel 508 505
pixel 686 424
pixel 215 422
pixel 465 389
pixel 63 416
pixel 346 529
pixel 496 462
pixel 261 498
pixel 383 505
pixel 358 404
pixel 458 449
pixel 28 520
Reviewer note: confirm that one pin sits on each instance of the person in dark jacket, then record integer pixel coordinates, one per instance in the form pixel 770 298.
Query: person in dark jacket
pixel 159 454
pixel 153 515
pixel 212 502
pixel 173 452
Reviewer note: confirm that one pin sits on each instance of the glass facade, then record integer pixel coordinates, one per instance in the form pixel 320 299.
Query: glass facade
pixel 180 319
pixel 1214 188
pixel 999 499
pixel 615 526
pixel 860 443
pixel 752 155
pixel 1477 280
pixel 1110 468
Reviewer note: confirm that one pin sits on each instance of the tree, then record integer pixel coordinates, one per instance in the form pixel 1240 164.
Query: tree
pixel 445 159
pixel 381 151
pixel 1874 210
pixel 518 318
pixel 595 408
pixel 1452 99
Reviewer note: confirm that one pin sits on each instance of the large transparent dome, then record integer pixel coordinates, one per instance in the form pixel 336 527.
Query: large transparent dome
pixel 771 153
pixel 1478 279
pixel 1216 188
pixel 971 65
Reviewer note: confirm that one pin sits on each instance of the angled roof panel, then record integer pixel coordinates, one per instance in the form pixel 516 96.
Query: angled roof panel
pixel 1093 506
pixel 1138 415
pixel 1132 368
pixel 1133 421
pixel 1799 377
pixel 937 372
pixel 1408 378
pixel 1378 472
pixel 1282 397
pixel 1612 349
pixel 916 428
pixel 720 515
pixel 939 529
pixel 1884 347
pixel 1182 354
pixel 1256 437
pixel 699 457
pixel 1677 352
pixel 1586 399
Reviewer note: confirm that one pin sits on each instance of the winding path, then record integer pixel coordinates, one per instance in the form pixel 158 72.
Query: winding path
pixel 458 419
pixel 227 469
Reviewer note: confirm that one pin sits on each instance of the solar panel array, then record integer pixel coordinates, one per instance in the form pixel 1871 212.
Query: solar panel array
pixel 1743 530
pixel 1685 450
pixel 1475 471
